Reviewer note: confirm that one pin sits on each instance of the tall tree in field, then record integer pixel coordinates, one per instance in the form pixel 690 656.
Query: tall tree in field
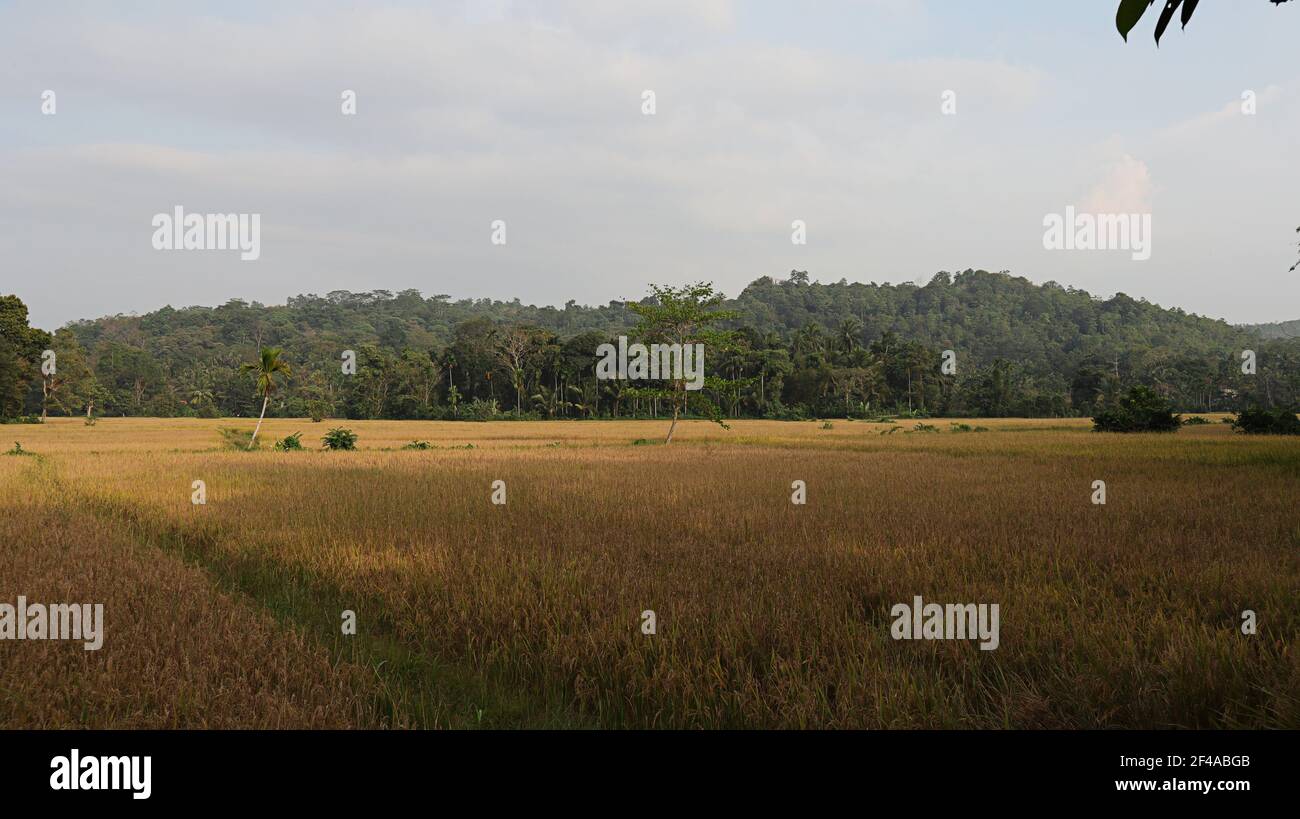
pixel 513 350
pixel 265 370
pixel 685 315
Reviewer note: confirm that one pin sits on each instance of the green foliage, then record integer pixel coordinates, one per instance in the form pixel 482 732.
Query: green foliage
pixel 23 419
pixel 18 450
pixel 418 445
pixel 796 349
pixel 340 438
pixel 290 443
pixel 21 382
pixel 1140 410
pixel 483 410
pixel 238 438
pixel 1258 421
pixel 270 363
pixel 1130 12
pixel 687 316
pixel 1195 421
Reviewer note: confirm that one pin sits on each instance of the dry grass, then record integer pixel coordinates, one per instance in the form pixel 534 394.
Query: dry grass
pixel 178 652
pixel 769 614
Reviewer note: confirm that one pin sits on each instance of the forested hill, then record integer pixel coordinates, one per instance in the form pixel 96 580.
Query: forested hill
pixel 806 349
pixel 985 314
pixel 1280 329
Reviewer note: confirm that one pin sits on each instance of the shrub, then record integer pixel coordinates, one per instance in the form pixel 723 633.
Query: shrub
pixel 290 442
pixel 18 450
pixel 238 438
pixel 1139 410
pixel 418 445
pixel 925 428
pixel 779 412
pixel 1257 421
pixel 828 425
pixel 481 410
pixel 1195 421
pixel 23 419
pixel 340 439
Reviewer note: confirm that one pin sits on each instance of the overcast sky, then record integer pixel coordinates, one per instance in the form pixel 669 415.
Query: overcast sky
pixel 531 112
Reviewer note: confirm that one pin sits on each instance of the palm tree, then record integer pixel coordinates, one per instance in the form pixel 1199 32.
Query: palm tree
pixel 848 335
pixel 265 369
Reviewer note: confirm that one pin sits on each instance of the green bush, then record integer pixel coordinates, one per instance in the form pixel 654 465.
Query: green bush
pixel 290 443
pixel 23 419
pixel 238 438
pixel 776 411
pixel 1258 421
pixel 1139 410
pixel 1196 421
pixel 317 410
pixel 418 445
pixel 340 439
pixel 483 410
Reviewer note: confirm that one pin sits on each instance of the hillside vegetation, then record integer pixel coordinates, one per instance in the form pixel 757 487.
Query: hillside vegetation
pixel 804 349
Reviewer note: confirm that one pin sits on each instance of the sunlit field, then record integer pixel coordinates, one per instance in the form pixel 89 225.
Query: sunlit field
pixel 768 613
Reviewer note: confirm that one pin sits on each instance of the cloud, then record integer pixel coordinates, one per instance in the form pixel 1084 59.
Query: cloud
pixel 1125 188
pixel 530 112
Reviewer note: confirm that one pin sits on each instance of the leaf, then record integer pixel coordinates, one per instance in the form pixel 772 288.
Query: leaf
pixel 1188 8
pixel 1165 16
pixel 1130 11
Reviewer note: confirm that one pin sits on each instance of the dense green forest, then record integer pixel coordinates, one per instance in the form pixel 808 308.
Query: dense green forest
pixel 802 349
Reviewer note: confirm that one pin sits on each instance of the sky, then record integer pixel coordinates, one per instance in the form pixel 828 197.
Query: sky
pixel 531 112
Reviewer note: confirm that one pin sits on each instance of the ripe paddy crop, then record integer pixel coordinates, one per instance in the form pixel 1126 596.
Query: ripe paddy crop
pixel 768 613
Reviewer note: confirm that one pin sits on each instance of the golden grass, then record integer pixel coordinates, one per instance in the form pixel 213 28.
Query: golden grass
pixel 178 652
pixel 769 614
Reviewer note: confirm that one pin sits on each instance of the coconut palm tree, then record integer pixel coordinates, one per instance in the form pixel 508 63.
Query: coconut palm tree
pixel 264 370
pixel 848 335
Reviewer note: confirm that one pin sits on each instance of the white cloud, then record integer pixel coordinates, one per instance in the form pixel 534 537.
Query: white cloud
pixel 1125 188
pixel 530 111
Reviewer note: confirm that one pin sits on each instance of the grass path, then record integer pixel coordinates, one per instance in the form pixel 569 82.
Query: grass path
pixel 413 689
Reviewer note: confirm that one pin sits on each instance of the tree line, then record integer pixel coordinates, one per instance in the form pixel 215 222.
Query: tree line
pixel 784 349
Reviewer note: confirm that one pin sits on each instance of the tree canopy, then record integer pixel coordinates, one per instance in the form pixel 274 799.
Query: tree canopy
pixel 795 348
